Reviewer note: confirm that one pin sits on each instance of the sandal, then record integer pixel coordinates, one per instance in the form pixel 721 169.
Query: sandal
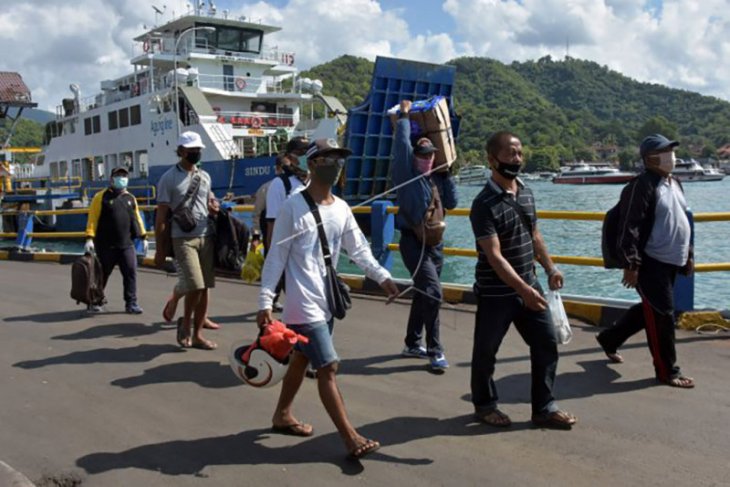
pixel 363 450
pixel 204 344
pixel 183 335
pixel 495 417
pixel 555 420
pixel 680 382
pixel 294 429
pixel 613 356
pixel 169 314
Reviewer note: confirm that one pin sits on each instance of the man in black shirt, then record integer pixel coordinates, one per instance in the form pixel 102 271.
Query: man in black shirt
pixel 504 222
pixel 113 224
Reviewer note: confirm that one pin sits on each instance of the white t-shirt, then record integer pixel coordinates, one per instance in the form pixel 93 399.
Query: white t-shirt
pixel 276 195
pixel 296 248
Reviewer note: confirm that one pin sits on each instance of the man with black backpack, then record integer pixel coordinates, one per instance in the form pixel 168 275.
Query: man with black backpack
pixel 652 244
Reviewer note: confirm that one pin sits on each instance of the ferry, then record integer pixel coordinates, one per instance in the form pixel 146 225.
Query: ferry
pixel 591 173
pixel 692 171
pixel 476 175
pixel 218 76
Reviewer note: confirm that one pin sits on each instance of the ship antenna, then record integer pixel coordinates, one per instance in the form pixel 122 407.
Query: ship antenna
pixel 158 12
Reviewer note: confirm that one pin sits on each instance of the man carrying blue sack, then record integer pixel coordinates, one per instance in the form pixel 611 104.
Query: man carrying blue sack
pixel 422 202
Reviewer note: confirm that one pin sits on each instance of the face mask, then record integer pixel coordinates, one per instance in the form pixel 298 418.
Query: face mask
pixel 302 163
pixel 119 182
pixel 423 165
pixel 666 161
pixel 193 158
pixel 328 174
pixel 508 170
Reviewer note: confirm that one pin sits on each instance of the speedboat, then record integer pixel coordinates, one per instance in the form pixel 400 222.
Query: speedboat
pixel 692 171
pixel 591 173
pixel 476 175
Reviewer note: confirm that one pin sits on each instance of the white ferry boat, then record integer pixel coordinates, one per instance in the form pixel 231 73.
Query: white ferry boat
pixel 692 171
pixel 203 72
pixel 591 173
pixel 476 175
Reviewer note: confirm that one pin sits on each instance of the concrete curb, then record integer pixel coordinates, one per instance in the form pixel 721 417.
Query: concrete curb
pixel 12 478
pixel 596 311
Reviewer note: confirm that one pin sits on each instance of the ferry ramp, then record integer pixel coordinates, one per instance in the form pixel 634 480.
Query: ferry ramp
pixel 111 400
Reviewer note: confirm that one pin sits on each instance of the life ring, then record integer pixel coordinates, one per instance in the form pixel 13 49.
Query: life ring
pixel 255 122
pixel 240 83
pixel 146 46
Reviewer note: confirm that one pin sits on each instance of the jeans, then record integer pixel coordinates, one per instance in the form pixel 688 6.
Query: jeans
pixel 493 318
pixel 424 308
pixel 126 259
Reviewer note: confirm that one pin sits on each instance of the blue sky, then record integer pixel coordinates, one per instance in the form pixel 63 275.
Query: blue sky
pixel 678 43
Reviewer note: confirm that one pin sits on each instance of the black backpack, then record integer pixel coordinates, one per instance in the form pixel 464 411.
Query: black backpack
pixel 231 241
pixel 87 280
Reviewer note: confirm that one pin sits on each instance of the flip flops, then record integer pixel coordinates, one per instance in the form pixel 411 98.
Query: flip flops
pixel 495 418
pixel 203 344
pixel 613 356
pixel 561 420
pixel 169 314
pixel 294 429
pixel 183 334
pixel 680 382
pixel 363 450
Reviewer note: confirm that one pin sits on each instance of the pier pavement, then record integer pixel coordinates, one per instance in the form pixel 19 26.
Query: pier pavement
pixel 111 400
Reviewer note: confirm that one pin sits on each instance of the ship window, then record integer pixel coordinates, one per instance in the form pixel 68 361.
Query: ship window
pixel 53 170
pixel 135 115
pixel 113 123
pixel 87 126
pixel 229 40
pixel 96 123
pixel 63 169
pixel 251 41
pixel 123 118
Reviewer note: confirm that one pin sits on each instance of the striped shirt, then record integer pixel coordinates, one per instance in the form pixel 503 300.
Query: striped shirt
pixel 491 215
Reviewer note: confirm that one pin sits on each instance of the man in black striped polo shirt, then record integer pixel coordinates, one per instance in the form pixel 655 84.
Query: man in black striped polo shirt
pixel 504 221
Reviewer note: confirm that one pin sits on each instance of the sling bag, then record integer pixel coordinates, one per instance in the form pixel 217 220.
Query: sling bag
pixel 183 213
pixel 337 292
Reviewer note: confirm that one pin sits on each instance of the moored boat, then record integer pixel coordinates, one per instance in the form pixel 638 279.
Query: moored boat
pixel 591 173
pixel 691 171
pixel 476 175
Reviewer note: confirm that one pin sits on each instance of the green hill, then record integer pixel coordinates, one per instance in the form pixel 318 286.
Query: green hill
pixel 562 110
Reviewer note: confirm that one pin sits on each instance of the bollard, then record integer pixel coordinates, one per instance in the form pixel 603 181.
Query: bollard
pixel 382 232
pixel 684 286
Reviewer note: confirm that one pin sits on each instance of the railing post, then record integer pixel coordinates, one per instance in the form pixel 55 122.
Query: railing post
pixel 382 231
pixel 25 226
pixel 684 286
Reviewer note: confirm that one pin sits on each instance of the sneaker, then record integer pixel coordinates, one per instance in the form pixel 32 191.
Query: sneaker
pixel 439 362
pixel 414 352
pixel 94 308
pixel 134 309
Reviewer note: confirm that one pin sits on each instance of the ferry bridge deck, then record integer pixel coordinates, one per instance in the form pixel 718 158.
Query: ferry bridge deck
pixel 111 400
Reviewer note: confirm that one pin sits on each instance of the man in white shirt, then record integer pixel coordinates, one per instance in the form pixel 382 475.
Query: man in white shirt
pixel 296 249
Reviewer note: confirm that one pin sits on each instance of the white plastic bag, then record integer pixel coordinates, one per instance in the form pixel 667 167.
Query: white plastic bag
pixel 560 319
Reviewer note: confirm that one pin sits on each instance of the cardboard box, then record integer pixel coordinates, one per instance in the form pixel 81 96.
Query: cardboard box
pixel 433 121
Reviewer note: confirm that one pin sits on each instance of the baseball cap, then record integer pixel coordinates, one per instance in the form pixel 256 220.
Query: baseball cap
pixel 297 144
pixel 190 140
pixel 120 170
pixel 424 146
pixel 655 142
pixel 324 147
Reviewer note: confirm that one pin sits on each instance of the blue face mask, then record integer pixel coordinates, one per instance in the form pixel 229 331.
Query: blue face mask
pixel 303 163
pixel 120 182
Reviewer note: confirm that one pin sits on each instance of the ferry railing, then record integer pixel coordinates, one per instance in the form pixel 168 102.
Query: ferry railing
pixel 69 182
pixel 234 84
pixel 382 224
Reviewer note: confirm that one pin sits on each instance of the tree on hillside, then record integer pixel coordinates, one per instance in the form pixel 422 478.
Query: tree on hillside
pixel 27 133
pixel 657 125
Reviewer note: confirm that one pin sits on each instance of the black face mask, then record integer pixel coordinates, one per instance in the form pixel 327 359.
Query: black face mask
pixel 193 157
pixel 508 170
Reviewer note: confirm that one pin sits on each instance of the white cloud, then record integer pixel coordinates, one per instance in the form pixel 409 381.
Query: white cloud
pixel 683 44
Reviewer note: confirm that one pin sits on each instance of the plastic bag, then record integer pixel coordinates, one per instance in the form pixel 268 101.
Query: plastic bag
pixel 560 318
pixel 251 270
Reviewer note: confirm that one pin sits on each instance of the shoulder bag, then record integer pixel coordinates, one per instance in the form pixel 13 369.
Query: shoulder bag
pixel 338 293
pixel 183 212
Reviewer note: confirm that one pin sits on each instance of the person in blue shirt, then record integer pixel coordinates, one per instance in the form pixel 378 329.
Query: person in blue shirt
pixel 423 261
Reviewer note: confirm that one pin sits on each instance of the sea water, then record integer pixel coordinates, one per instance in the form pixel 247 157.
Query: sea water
pixel 572 238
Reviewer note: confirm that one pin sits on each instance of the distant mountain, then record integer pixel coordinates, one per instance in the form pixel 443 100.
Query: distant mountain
pixel 40 116
pixel 562 110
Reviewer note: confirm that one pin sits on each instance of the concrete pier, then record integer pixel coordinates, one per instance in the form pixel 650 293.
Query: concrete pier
pixel 111 400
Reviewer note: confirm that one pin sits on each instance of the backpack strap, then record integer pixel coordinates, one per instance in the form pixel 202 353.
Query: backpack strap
pixel 287 183
pixel 320 228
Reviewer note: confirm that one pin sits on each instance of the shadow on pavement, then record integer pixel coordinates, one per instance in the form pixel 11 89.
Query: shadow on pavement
pixel 367 365
pixel 205 374
pixel 190 457
pixel 52 317
pixel 140 353
pixel 117 330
